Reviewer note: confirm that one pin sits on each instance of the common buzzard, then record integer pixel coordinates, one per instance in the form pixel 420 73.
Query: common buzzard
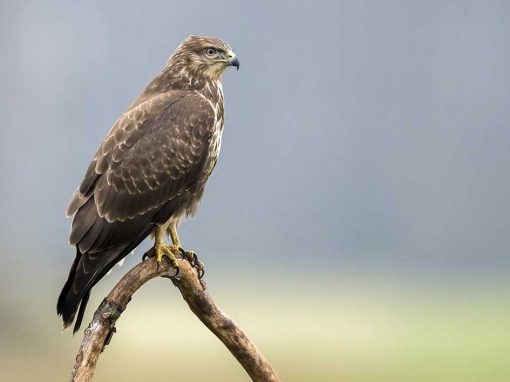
pixel 150 171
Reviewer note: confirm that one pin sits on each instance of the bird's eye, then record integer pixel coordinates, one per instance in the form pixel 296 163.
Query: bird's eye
pixel 211 52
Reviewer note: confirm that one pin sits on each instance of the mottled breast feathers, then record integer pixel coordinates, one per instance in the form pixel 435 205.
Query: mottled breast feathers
pixel 154 151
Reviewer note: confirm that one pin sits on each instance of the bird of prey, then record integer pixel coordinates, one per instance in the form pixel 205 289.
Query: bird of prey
pixel 150 171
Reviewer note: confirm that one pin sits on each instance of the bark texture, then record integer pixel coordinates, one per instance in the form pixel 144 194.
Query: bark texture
pixel 194 291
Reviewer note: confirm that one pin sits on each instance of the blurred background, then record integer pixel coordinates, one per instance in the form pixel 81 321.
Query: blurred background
pixel 356 226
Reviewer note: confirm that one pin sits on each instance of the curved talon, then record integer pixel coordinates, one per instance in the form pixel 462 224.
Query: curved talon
pixel 170 251
pixel 194 259
pixel 190 256
pixel 200 269
pixel 183 253
pixel 145 256
pixel 163 250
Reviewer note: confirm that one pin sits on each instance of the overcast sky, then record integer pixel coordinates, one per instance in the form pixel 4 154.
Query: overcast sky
pixel 373 133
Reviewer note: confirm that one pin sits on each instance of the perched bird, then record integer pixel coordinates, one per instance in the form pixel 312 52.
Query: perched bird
pixel 150 171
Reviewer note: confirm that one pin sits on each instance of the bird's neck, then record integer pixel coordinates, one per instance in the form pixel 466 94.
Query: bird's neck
pixel 181 78
pixel 213 91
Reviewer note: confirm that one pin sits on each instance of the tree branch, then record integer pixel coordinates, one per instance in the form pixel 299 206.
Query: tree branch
pixel 100 330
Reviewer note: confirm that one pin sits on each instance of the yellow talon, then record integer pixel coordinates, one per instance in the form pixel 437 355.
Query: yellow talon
pixel 160 250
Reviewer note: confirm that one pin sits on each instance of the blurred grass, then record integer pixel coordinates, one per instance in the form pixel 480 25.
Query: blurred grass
pixel 339 328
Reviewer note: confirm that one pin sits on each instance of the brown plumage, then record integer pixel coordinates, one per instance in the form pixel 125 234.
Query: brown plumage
pixel 151 168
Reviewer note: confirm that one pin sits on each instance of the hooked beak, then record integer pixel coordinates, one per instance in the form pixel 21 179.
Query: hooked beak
pixel 233 60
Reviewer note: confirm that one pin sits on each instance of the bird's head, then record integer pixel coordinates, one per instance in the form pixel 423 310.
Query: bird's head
pixel 203 56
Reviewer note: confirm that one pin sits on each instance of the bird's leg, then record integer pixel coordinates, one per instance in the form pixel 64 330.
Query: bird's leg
pixel 161 249
pixel 173 234
pixel 188 255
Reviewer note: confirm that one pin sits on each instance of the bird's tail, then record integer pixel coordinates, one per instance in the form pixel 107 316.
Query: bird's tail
pixel 99 246
pixel 68 306
pixel 86 270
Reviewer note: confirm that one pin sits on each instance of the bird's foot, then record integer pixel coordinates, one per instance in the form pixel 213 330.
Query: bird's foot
pixel 193 260
pixel 167 250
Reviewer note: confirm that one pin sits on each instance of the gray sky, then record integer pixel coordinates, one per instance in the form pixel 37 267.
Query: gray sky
pixel 361 132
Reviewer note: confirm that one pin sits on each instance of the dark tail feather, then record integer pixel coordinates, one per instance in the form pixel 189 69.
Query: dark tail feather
pixel 65 307
pixel 86 271
pixel 83 305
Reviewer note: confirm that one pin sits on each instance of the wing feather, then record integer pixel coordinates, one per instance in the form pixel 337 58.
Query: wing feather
pixel 152 154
